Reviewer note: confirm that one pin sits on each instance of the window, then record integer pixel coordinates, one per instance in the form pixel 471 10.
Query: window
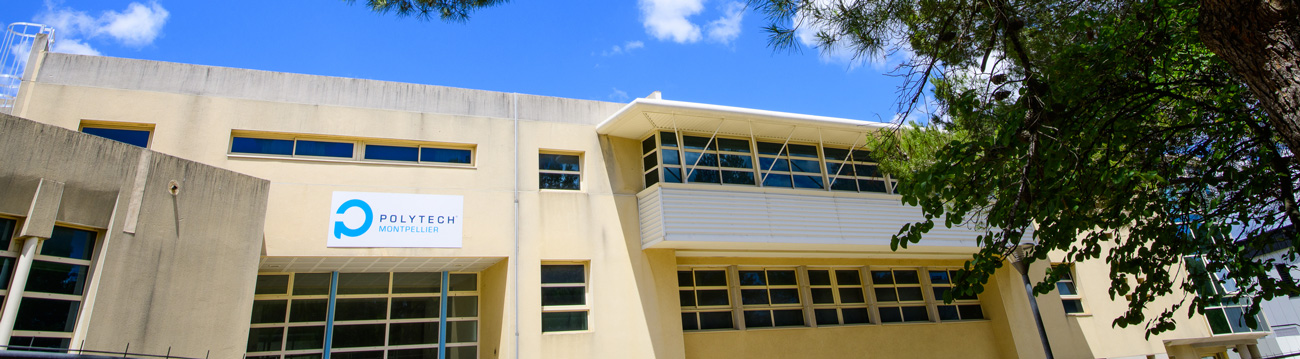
pixel 899 296
pixel 1070 298
pixel 56 283
pixel 770 298
pixel 837 296
pixel 963 306
pixel 559 171
pixel 564 297
pixel 1227 312
pixel 397 313
pixel 705 299
pixel 369 150
pixel 130 133
pixel 853 170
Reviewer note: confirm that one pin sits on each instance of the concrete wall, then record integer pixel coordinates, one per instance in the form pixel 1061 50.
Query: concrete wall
pixel 171 271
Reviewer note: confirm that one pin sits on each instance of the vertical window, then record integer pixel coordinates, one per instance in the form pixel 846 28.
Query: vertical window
pixel 559 171
pixel 853 170
pixel 1070 299
pixel 963 307
pixel 564 297
pixel 789 165
pixel 899 296
pixel 705 299
pixel 56 283
pixel 837 296
pixel 672 157
pixel 770 298
pixel 650 160
pixel 132 134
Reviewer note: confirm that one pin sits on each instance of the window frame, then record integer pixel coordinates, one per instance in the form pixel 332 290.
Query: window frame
pixel 586 307
pixel 957 302
pixel 921 283
pixel 13 251
pixel 579 172
pixel 836 288
pixel 148 128
pixel 1073 283
pixel 358 149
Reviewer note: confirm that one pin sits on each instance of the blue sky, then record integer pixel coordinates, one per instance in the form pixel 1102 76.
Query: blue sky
pixel 709 51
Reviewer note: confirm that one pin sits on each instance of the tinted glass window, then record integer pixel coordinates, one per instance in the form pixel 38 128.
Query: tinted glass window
pixel 261 146
pixel 392 153
pixel 131 137
pixel 444 155
pixel 324 149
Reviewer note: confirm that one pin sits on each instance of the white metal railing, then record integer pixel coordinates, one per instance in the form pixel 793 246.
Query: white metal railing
pixel 14 51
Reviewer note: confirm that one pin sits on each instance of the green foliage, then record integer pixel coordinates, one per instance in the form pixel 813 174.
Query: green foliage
pixel 1105 131
pixel 447 10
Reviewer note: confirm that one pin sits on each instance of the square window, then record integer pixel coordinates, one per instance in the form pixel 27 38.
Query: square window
pixel 559 171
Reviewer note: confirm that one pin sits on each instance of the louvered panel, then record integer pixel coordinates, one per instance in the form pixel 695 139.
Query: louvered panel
pixel 650 215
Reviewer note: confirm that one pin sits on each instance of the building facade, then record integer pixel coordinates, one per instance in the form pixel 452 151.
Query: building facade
pixel 416 221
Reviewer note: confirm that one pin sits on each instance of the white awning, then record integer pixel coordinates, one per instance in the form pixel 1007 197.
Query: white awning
pixel 643 116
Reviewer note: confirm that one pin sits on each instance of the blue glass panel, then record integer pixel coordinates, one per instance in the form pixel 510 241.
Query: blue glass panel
pixel 447 155
pixel 844 184
pixel 671 157
pixel 736 177
pixel 555 162
pixel 131 137
pixel 673 174
pixel 777 180
pixel 805 166
pixel 323 149
pixel 392 153
pixel 69 243
pixel 707 176
pixel 261 145
pixel 872 186
pixel 808 181
pixel 765 164
pixel 737 161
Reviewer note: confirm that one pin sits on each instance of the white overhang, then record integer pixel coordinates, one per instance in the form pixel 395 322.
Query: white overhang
pixel 376 264
pixel 643 116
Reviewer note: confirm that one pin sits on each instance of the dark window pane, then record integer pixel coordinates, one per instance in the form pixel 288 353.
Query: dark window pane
pixel 1218 321
pixel 652 177
pixel 752 277
pixel 733 145
pixel 417 282
pixel 890 315
pixel 445 155
pixel 138 138
pixel 552 274
pixel 305 338
pixel 777 180
pixel 844 184
pixel 462 307
pixel 363 283
pixel 392 153
pixel 308 310
pixel 972 311
pixel 648 144
pixel 58 278
pixel 272 284
pixel 6 271
pixel 361 335
pixel 6 232
pixel 867 170
pixel 1076 306
pixel 701 159
pixel 863 156
pixel 554 162
pixel 265 339
pixel 463 331
pixel 906 277
pixel 426 353
pixel 672 174
pixel 837 169
pixel 301 356
pixel 872 186
pixel 886 295
pixel 848 277
pixel 360 309
pixel 710 278
pixel 311 284
pixel 827 316
pixel 668 139
pixel 965 296
pixel 466 352
pixel 671 157
pixel 704 176
pixel 819 277
pixel 851 295
pixel 939 292
pixel 758 318
pixel 781 277
pixel 69 243
pixel 939 277
pixel 466 282
pixel 712 297
pixel 269 311
pixel 882 277
pixel 808 182
pixel 948 312
pixel 262 357
pixel 805 166
pixel 736 161
pixel 753 296
pixel 355 355
pixel 907 294
pixel 412 333
pixel 564 296
pixel 915 314
pixel 836 153
pixel 856 315
pixel 687 298
pixel 46 315
pixel 769 148
pixel 787 318
pixel 823 296
pixel 697 143
pixel 407 308
pixel 322 148
pixel 1066 288
pixel 773 164
pixel 264 146
pixel 649 161
pixel 685 279
pixel 716 320
pixel 785 296
pixel 558 181
pixel 802 150
pixel 689 322
pixel 564 321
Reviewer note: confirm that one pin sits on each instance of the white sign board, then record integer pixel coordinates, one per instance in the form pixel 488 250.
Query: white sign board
pixel 362 219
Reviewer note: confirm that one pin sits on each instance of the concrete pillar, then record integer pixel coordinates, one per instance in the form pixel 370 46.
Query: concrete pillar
pixel 16 288
pixel 1244 353
pixel 1254 351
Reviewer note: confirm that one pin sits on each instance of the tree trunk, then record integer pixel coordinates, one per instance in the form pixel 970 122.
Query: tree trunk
pixel 1260 40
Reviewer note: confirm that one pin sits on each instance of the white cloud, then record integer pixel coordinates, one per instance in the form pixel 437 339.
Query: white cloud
pixel 625 48
pixel 727 28
pixel 619 95
pixel 633 45
pixel 667 19
pixel 138 26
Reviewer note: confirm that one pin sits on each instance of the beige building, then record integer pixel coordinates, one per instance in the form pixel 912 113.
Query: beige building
pixel 401 221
